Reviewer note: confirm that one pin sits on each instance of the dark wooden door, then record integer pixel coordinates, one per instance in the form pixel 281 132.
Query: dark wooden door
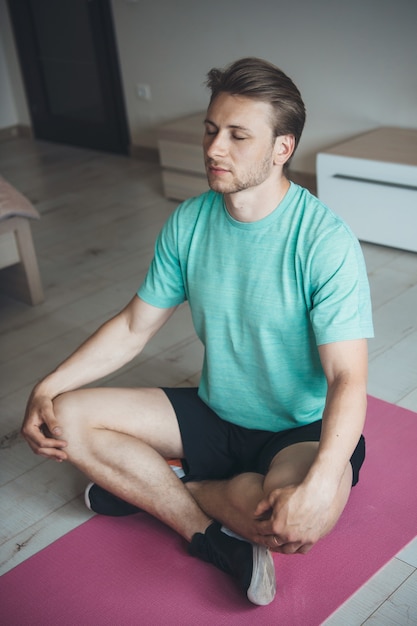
pixel 69 63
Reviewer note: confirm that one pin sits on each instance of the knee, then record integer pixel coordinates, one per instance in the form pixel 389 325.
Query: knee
pixel 244 488
pixel 73 427
pixel 67 415
pixel 63 407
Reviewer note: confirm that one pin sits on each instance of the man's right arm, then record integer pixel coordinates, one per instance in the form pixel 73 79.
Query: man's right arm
pixel 113 345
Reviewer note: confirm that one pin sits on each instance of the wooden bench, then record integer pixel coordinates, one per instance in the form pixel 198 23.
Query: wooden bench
pixel 19 272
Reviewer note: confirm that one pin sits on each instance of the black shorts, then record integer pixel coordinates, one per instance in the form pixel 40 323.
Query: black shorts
pixel 215 449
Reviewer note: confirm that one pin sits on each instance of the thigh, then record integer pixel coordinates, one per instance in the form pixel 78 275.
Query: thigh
pixel 145 414
pixel 291 465
pixel 309 434
pixel 279 442
pixel 205 437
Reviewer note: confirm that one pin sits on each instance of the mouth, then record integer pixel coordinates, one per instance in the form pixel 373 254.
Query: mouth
pixel 216 170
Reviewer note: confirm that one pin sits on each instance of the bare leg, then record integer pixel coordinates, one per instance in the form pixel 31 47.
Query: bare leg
pixel 120 438
pixel 234 501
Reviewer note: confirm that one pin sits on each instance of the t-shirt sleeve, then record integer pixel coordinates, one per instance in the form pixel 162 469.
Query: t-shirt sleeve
pixel 163 285
pixel 340 297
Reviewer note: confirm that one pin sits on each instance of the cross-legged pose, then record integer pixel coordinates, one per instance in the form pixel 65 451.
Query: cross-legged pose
pixel 271 441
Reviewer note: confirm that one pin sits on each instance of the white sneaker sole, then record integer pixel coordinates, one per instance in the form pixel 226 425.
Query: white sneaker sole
pixel 262 587
pixel 87 496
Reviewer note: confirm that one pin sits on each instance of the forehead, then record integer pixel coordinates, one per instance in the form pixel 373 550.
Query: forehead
pixel 240 111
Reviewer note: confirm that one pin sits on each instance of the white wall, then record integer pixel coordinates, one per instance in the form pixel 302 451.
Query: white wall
pixel 355 62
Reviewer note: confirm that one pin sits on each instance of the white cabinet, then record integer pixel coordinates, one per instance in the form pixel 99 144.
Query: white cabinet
pixel 371 182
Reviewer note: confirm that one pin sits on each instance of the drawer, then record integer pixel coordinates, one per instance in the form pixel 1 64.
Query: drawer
pixel 181 186
pixel 181 156
pixel 377 200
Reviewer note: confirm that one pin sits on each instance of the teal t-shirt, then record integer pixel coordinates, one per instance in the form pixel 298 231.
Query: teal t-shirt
pixel 263 295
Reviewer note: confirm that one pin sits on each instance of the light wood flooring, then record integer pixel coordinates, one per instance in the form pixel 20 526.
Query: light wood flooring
pixel 100 216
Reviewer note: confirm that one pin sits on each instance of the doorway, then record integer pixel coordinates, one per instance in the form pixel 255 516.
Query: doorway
pixel 68 57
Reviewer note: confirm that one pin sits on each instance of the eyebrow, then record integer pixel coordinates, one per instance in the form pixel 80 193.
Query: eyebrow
pixel 234 126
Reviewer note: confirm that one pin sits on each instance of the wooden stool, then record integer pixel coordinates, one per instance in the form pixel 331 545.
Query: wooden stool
pixel 19 272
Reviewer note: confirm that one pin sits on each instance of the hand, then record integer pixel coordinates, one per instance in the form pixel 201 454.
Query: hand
pixel 40 428
pixel 294 518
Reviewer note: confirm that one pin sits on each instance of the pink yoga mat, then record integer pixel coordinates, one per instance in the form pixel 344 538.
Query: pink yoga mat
pixel 134 571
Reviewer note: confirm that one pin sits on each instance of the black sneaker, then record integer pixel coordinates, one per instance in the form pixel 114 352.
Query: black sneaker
pixel 101 501
pixel 250 564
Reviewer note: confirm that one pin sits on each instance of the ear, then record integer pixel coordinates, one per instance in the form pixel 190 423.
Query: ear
pixel 283 149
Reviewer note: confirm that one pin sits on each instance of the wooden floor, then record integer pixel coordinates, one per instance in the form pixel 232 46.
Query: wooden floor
pixel 100 215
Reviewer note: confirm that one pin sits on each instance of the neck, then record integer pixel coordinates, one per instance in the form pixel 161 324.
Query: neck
pixel 255 203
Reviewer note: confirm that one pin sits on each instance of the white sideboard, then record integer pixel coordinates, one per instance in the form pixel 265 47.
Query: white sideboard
pixel 371 182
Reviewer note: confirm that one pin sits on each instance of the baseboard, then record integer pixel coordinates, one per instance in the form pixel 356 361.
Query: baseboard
pixel 17 130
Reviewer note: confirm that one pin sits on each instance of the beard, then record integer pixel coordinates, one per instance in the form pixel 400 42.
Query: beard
pixel 233 181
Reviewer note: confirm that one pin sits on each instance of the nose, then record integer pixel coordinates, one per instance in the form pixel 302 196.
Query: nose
pixel 215 145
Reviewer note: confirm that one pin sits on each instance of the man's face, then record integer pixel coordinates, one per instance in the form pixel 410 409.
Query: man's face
pixel 238 143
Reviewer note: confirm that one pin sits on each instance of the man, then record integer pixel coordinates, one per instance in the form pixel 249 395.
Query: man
pixel 271 443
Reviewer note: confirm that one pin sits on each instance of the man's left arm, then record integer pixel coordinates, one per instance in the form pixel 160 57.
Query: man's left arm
pixel 303 513
pixel 345 365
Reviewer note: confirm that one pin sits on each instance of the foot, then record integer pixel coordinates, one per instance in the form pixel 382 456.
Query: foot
pixel 250 564
pixel 101 501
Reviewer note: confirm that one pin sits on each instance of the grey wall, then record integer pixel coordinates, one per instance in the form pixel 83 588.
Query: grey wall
pixel 355 62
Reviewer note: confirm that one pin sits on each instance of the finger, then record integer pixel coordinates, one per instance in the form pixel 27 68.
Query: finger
pixel 264 527
pixel 263 510
pixel 45 446
pixel 290 548
pixel 276 544
pixel 50 450
pixel 53 454
pixel 50 426
pixel 53 444
pixel 42 414
pixel 305 548
pixel 271 541
pixel 50 440
pixel 35 436
pixel 295 547
pixel 44 428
